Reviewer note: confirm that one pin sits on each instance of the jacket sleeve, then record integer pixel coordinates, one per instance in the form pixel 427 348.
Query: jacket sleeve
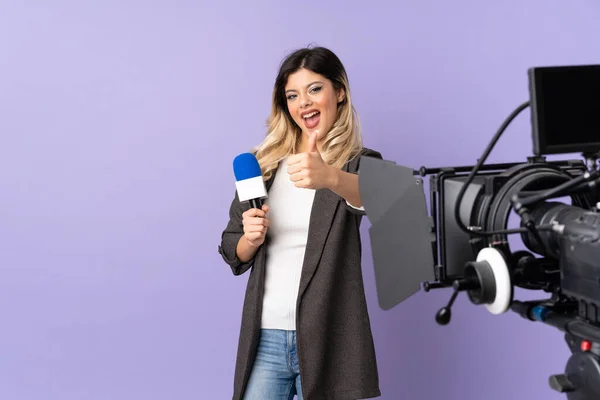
pixel 231 236
pixel 354 167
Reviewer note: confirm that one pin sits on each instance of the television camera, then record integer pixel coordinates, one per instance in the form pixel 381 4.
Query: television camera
pixel 463 242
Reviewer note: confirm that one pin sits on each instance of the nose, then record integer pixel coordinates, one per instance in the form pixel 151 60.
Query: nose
pixel 305 102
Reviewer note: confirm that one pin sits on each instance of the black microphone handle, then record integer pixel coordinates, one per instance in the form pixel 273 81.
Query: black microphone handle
pixel 256 203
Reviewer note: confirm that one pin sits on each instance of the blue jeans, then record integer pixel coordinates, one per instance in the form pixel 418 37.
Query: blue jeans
pixel 275 374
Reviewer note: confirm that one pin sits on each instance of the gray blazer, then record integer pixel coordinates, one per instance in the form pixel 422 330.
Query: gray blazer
pixel 334 340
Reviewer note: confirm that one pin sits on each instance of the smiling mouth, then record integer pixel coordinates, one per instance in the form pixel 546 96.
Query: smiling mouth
pixel 311 119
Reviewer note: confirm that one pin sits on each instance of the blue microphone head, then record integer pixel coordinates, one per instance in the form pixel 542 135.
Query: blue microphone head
pixel 245 166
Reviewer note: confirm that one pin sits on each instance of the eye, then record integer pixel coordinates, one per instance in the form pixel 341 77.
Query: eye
pixel 291 96
pixel 316 89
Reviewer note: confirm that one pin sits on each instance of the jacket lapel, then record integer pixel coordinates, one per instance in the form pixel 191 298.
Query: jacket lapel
pixel 323 210
pixel 321 217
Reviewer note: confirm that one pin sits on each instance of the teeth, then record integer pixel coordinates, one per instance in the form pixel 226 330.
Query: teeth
pixel 310 115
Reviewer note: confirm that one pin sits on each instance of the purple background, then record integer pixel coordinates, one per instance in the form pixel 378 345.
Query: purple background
pixel 119 121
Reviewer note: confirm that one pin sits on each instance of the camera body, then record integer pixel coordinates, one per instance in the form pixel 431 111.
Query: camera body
pixel 563 259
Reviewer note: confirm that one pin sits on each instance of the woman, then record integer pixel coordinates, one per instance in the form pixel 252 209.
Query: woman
pixel 305 326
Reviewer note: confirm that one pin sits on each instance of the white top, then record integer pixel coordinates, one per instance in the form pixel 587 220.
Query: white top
pixel 289 216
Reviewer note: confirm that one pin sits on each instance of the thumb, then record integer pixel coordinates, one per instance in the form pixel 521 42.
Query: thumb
pixel 312 142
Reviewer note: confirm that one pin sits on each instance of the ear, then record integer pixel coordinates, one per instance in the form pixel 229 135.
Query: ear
pixel 341 95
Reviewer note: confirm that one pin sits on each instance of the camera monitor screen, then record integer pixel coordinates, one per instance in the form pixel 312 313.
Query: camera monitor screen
pixel 565 109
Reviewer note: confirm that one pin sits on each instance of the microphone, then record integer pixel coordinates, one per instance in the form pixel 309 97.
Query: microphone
pixel 249 180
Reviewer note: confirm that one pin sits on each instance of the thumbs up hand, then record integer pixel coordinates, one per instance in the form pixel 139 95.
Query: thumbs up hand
pixel 312 142
pixel 309 170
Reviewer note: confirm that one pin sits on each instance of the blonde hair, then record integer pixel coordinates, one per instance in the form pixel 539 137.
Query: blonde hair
pixel 340 145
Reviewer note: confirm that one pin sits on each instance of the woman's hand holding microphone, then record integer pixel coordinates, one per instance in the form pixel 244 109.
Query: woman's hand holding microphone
pixel 255 224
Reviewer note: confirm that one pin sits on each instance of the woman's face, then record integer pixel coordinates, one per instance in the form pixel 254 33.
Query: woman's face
pixel 312 101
